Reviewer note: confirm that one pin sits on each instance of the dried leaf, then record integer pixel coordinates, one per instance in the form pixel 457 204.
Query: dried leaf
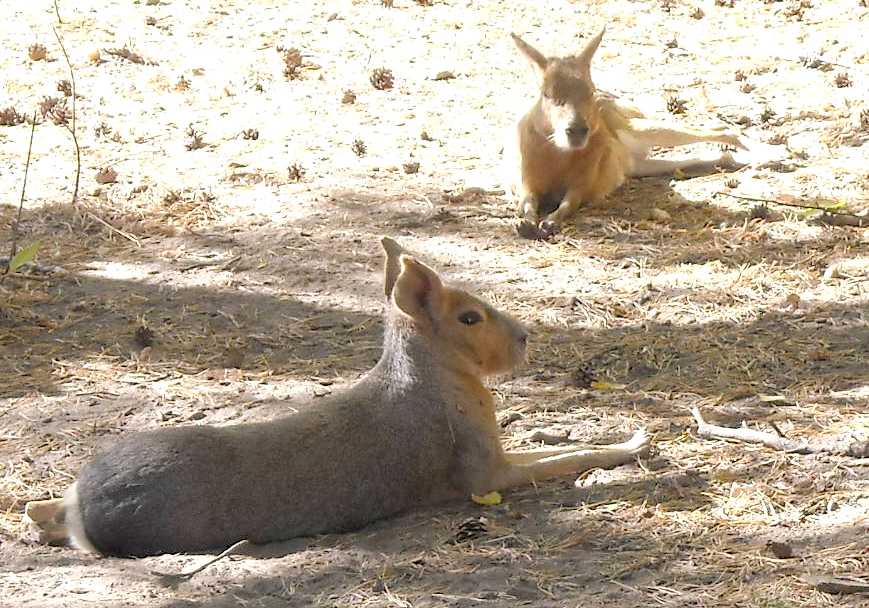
pixel 492 498
pixel 24 256
pixel 603 385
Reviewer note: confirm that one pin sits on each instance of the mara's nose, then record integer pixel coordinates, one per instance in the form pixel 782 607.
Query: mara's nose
pixel 577 132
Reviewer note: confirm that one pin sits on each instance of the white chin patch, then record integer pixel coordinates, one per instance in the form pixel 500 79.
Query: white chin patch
pixel 561 140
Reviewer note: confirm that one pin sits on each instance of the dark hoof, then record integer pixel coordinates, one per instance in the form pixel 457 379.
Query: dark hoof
pixel 543 231
pixel 547 230
pixel 528 230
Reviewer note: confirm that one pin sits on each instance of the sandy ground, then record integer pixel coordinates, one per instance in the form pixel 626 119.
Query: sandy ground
pixel 241 229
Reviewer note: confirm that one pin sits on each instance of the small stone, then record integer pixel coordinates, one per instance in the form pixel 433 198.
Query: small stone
pixel 659 215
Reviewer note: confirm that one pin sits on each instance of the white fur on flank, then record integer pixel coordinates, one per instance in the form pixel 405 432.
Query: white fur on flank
pixel 75 522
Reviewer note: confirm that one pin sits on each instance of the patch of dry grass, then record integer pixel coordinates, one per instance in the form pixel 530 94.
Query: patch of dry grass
pixel 260 281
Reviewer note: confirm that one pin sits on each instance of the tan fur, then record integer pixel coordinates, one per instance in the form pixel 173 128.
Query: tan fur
pixel 552 169
pixel 418 428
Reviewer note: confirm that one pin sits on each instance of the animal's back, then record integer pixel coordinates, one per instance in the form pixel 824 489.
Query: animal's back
pixel 336 466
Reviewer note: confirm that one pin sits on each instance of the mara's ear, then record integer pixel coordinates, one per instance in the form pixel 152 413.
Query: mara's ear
pixel 418 291
pixel 583 60
pixel 391 265
pixel 534 57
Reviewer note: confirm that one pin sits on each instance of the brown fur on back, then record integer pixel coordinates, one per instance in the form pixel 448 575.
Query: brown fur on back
pixel 577 145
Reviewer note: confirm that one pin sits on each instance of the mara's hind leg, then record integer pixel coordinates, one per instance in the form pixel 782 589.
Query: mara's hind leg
pixel 529 456
pixel 48 518
pixel 517 473
pixel 656 133
pixel 39 511
pixel 654 167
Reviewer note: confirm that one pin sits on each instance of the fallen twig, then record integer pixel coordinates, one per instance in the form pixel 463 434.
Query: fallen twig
pixel 844 445
pixel 172 580
pixel 843 219
pixel 117 231
pixel 23 276
pixel 834 216
pixel 839 585
pixel 546 437
pixel 128 54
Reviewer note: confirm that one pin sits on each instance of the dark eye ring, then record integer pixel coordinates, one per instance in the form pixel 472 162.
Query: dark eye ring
pixel 472 317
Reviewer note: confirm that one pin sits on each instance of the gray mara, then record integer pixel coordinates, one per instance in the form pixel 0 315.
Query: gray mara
pixel 417 429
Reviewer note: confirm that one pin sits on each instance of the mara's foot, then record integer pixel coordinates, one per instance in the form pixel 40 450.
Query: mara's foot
pixel 543 231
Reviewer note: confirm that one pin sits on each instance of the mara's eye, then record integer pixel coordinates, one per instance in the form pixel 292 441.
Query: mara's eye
pixel 554 99
pixel 472 317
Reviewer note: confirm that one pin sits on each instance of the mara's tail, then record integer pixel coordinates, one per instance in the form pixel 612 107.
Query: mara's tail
pixel 75 521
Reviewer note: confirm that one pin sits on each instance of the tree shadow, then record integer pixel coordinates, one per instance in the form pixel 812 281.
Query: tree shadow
pixel 602 558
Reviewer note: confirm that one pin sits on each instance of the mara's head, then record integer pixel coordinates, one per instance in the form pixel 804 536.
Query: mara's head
pixel 567 115
pixel 464 331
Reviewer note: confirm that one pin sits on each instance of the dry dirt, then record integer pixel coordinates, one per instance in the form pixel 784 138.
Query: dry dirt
pixel 206 285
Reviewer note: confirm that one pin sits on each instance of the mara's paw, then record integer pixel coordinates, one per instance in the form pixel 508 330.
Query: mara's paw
pixel 733 139
pixel 728 163
pixel 547 229
pixel 640 442
pixel 39 511
pixel 543 231
pixel 528 230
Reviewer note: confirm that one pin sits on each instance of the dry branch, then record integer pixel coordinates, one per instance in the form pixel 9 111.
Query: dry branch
pixel 172 580
pixel 128 54
pixel 546 437
pixel 71 129
pixel 843 219
pixel 844 445
pixel 15 226
pixel 833 218
pixel 839 585
pixel 111 228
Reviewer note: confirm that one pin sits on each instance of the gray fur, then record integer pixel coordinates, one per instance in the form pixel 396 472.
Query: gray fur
pixel 386 444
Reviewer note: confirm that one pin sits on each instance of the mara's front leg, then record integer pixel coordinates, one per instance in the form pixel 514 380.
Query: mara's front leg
pixel 521 470
pixel 570 204
pixel 528 206
pixel 528 211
